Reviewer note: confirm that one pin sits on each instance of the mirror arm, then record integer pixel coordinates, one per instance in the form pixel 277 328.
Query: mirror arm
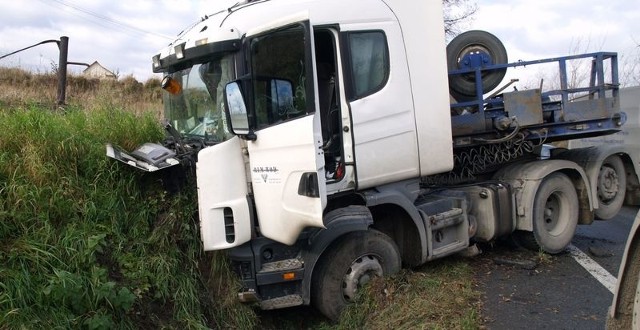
pixel 251 136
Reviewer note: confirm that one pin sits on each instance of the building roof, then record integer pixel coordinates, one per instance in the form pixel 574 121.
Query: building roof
pixel 96 70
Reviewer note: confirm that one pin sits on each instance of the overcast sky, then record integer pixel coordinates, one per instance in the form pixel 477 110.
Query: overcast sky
pixel 124 35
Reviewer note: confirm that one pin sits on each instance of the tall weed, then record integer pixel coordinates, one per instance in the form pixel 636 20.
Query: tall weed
pixel 21 87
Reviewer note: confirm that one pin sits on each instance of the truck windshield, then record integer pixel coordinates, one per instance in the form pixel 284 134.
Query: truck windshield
pixel 198 110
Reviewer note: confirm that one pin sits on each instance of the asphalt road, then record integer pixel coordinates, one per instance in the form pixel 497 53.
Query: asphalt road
pixel 529 290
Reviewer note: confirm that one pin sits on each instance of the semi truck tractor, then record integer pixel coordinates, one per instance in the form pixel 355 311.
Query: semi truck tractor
pixel 335 141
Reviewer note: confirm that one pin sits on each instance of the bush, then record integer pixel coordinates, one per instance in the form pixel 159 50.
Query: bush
pixel 89 242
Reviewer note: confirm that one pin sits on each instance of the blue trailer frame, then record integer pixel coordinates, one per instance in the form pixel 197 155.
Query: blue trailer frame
pixel 560 114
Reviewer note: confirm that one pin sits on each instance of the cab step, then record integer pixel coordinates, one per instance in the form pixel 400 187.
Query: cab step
pixel 282 302
pixel 282 265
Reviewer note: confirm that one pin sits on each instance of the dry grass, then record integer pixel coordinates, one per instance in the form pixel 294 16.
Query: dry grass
pixel 19 87
pixel 439 295
pixel 442 294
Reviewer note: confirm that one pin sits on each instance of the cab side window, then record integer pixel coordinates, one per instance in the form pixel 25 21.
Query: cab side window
pixel 277 65
pixel 368 62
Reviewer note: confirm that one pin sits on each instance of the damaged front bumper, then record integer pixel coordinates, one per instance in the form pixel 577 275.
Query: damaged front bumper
pixel 149 157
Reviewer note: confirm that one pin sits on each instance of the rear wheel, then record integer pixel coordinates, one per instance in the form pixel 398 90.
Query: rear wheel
pixel 612 185
pixel 348 265
pixel 555 216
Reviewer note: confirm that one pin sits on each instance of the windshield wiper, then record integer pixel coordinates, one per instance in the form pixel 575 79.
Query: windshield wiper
pixel 177 137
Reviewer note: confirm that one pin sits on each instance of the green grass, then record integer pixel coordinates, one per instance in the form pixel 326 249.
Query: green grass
pixel 88 242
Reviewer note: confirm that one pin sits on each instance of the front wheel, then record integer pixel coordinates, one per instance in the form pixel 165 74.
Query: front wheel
pixel 348 265
pixel 612 185
pixel 555 215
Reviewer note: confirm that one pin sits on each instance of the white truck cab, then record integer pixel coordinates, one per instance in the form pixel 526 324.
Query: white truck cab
pixel 304 134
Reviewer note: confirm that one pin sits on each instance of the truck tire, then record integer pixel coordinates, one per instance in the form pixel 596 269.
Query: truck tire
pixel 635 320
pixel 348 265
pixel 627 314
pixel 463 86
pixel 555 216
pixel 612 185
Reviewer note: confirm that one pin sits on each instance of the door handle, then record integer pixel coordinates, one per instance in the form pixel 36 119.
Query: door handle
pixel 309 185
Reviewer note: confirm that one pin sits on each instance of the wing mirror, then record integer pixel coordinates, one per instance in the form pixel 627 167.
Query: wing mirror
pixel 237 109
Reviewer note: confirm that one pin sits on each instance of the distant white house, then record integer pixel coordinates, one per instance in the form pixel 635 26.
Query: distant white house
pixel 95 70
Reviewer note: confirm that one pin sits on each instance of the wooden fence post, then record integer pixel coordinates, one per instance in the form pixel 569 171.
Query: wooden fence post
pixel 62 69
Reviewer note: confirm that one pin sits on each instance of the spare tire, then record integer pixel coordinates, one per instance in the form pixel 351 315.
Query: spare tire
pixel 463 86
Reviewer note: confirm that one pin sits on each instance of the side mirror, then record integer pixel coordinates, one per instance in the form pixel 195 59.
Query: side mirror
pixel 238 116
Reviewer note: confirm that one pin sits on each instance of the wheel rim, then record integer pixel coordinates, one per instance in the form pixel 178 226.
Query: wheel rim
pixel 472 49
pixel 361 271
pixel 553 213
pixel 608 184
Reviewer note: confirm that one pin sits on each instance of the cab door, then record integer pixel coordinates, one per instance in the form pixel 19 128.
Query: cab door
pixel 285 143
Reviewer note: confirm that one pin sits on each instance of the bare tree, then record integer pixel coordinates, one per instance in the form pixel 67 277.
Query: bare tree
pixel 457 12
pixel 547 76
pixel 630 71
